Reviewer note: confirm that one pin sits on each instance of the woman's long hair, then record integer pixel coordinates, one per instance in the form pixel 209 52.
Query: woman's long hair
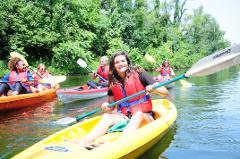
pixel 113 76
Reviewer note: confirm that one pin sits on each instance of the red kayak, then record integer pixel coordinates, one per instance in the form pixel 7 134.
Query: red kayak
pixel 69 95
pixel 25 100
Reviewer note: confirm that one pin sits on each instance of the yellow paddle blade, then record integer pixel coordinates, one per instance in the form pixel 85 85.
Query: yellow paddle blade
pixel 53 79
pixel 185 83
pixel 16 54
pixel 149 58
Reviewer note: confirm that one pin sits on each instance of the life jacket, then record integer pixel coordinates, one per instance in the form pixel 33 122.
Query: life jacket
pixel 133 85
pixel 18 76
pixel 37 77
pixel 103 73
pixel 165 71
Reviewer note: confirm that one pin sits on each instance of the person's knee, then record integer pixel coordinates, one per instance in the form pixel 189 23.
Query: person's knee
pixel 138 114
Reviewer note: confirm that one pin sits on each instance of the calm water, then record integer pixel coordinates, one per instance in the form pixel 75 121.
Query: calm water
pixel 208 123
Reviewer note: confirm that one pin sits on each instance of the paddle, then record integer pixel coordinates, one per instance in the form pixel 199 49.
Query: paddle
pixel 53 79
pixel 47 80
pixel 151 59
pixel 206 66
pixel 83 64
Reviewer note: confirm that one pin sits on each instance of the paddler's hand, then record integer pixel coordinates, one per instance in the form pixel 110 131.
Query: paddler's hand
pixel 149 88
pixel 162 91
pixel 106 108
pixel 24 80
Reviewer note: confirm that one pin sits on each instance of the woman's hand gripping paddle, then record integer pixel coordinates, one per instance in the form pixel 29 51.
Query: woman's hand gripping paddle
pixel 208 65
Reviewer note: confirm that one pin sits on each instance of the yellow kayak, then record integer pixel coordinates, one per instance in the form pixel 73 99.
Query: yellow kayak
pixel 60 145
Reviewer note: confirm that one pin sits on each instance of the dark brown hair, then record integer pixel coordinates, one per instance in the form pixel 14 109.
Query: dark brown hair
pixel 113 76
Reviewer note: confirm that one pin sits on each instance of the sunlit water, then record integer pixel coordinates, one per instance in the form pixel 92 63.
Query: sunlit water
pixel 208 123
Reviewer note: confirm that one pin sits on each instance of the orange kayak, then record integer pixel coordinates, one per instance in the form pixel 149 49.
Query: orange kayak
pixel 25 100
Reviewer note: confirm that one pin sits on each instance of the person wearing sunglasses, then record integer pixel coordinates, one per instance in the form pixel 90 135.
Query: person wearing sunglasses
pixel 18 81
pixel 40 74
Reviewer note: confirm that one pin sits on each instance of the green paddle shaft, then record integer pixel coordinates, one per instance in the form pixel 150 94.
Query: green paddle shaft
pixel 131 96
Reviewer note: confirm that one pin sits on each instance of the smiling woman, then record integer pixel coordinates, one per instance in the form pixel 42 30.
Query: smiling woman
pixel 18 72
pixel 125 80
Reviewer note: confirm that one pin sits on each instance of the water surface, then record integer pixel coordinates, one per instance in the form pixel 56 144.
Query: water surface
pixel 208 123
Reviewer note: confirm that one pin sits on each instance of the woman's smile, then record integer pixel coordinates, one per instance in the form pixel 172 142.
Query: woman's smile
pixel 120 65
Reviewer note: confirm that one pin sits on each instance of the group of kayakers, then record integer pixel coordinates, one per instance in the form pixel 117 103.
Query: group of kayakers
pixel 120 76
pixel 21 80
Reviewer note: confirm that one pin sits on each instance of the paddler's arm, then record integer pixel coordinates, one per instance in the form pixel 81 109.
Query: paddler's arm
pixel 149 82
pixel 162 91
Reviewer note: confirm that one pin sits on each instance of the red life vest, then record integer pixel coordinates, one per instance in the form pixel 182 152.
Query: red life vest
pixel 37 77
pixel 133 85
pixel 103 73
pixel 165 71
pixel 14 76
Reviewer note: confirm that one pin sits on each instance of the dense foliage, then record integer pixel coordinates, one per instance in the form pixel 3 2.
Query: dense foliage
pixel 57 33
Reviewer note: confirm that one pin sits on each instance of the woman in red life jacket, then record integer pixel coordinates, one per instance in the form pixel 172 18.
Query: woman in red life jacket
pixel 102 71
pixel 39 74
pixel 125 80
pixel 166 71
pixel 17 81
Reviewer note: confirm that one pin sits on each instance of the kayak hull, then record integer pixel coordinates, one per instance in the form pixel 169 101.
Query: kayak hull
pixel 168 86
pixel 73 94
pixel 61 144
pixel 25 100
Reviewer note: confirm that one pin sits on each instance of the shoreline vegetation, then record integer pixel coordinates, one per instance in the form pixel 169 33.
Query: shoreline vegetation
pixel 57 33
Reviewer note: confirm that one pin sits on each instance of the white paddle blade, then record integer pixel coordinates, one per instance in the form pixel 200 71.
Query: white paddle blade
pixel 82 63
pixel 216 62
pixel 149 58
pixel 53 79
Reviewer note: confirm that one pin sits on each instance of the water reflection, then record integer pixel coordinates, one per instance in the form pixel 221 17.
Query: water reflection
pixel 208 118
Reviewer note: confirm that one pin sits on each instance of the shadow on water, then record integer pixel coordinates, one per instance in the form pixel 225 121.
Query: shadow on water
pixel 158 149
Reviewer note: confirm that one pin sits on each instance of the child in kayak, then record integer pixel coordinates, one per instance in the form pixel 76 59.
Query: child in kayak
pixel 39 74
